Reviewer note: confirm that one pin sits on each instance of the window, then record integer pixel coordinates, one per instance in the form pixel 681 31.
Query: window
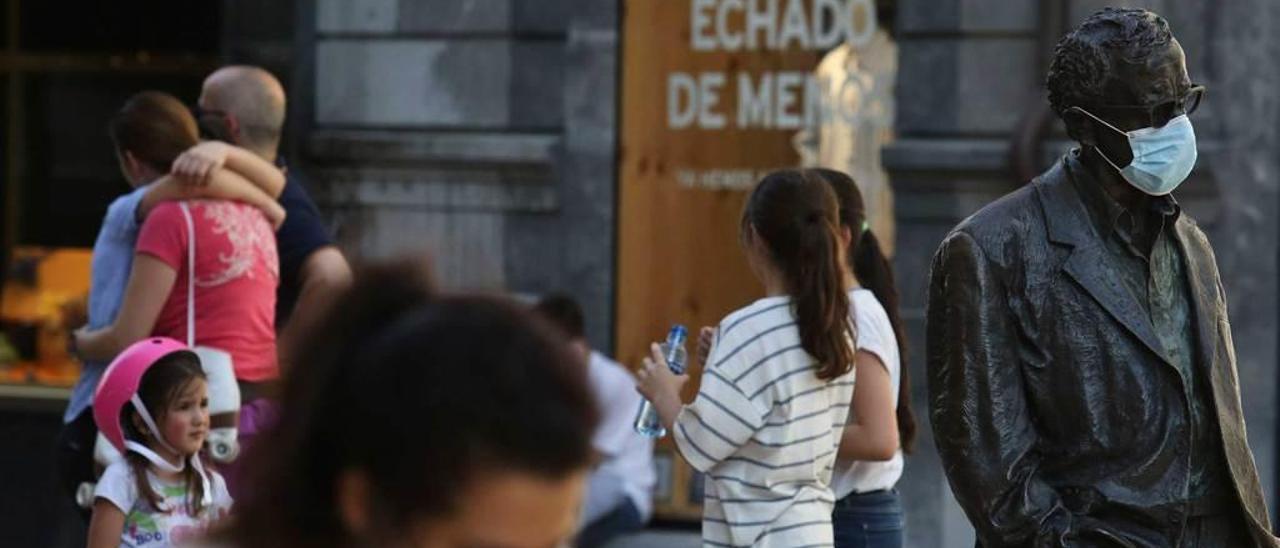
pixel 70 173
pixel 158 26
pixel 71 67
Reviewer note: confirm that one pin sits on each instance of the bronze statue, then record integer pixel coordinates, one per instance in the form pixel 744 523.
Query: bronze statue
pixel 1082 378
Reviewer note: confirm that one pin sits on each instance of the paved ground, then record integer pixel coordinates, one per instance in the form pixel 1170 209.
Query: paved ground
pixel 660 538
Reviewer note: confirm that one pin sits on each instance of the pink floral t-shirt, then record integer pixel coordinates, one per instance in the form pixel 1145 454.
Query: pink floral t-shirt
pixel 237 271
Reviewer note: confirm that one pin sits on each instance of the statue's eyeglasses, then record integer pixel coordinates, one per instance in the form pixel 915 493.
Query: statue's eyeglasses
pixel 1160 114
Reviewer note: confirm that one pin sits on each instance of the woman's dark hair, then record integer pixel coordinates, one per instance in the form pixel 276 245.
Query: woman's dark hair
pixel 796 216
pixel 156 127
pixel 163 383
pixel 421 393
pixel 874 272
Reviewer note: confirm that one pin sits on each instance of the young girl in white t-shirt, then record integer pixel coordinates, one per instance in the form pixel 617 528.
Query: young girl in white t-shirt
pixel 881 426
pixel 152 406
pixel 777 383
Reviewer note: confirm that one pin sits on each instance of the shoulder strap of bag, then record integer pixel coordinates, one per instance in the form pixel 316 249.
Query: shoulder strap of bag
pixel 191 275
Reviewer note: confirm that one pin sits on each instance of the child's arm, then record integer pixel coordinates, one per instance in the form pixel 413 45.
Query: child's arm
pixel 200 162
pixel 719 421
pixel 874 435
pixel 107 525
pixel 149 285
pixel 223 184
pixel 662 387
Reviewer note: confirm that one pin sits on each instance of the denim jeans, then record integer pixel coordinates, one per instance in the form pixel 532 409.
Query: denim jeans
pixel 869 520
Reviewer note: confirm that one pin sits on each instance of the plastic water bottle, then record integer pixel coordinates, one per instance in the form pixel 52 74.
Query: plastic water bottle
pixel 647 422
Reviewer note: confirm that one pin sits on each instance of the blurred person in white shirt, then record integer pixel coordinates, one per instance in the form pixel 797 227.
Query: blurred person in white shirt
pixel 620 490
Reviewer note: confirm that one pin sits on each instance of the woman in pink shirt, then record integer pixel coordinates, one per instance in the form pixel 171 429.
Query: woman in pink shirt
pixel 236 273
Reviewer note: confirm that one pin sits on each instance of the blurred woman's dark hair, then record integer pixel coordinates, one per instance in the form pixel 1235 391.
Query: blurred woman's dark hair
pixel 872 269
pixel 422 394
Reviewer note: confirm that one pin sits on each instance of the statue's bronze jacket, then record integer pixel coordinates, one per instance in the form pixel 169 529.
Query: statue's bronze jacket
pixel 1058 421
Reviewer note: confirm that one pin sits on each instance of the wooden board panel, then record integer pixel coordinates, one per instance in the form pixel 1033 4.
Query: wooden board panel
pixel 682 187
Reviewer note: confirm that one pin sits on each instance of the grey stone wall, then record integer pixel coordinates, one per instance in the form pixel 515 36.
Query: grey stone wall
pixel 479 131
pixel 1241 45
pixel 972 70
pixel 966 77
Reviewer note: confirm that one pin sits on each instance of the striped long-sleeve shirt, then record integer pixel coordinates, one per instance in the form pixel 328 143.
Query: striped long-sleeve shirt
pixel 764 429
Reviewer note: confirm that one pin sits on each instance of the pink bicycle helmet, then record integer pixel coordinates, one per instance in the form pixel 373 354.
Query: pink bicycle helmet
pixel 119 384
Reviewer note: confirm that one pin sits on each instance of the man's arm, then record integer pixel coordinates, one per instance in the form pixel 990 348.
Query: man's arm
pixel 262 173
pixel 223 184
pixel 978 406
pixel 198 164
pixel 324 274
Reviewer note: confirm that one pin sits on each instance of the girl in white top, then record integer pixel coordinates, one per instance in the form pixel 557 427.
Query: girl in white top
pixel 141 502
pixel 776 387
pixel 881 425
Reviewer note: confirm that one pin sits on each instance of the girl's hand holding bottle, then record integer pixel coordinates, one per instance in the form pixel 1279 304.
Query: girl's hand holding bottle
pixel 657 383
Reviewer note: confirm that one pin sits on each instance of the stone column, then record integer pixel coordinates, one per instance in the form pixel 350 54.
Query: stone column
pixel 461 128
pixel 966 76
pixel 1241 46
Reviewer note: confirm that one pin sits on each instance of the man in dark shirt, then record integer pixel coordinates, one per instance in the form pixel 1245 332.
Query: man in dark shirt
pixel 245 106
pixel 1082 377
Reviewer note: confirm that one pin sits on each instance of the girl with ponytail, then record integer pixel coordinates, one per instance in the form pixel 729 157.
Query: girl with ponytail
pixel 777 379
pixel 881 426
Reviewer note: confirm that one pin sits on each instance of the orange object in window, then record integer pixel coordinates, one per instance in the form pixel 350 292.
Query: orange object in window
pixel 43 294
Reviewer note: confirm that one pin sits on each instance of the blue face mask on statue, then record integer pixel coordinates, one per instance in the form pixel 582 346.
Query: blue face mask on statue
pixel 1162 157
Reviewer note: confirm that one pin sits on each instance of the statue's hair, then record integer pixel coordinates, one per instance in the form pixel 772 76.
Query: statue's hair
pixel 1085 60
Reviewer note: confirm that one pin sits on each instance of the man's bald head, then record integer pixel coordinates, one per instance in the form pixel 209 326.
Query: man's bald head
pixel 254 101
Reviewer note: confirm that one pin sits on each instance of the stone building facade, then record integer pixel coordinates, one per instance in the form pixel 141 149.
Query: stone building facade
pixel 485 132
